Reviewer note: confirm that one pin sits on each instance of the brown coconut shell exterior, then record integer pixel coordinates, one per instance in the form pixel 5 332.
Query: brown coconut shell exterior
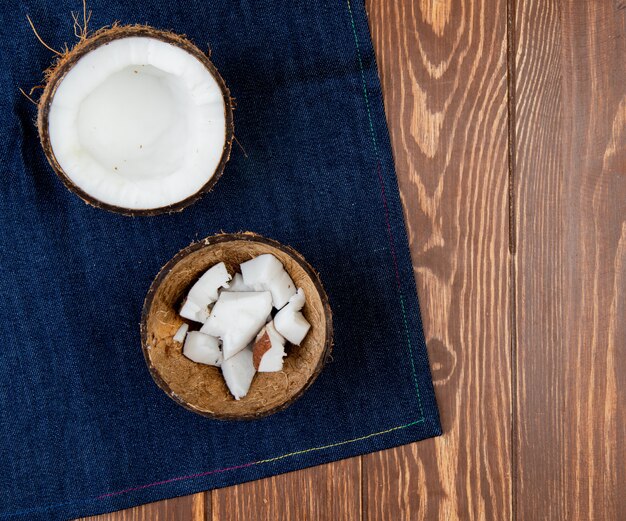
pixel 63 65
pixel 201 388
pixel 260 347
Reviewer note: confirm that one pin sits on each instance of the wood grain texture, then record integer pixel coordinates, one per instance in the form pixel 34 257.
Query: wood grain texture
pixel 329 492
pixel 443 66
pixel 187 508
pixel 571 260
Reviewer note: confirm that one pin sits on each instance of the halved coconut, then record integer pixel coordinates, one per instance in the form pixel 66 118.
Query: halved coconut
pixel 136 120
pixel 202 388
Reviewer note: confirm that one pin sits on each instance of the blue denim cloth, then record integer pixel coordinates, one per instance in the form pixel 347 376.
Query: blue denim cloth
pixel 83 428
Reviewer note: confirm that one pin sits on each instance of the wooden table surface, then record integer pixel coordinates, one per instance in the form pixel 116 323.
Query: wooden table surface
pixel 508 124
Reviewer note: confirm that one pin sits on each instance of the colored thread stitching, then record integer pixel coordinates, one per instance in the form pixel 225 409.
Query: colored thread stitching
pixel 323 447
pixel 202 474
pixel 386 206
pixel 404 317
pixel 269 460
pixel 173 480
pixel 362 70
pixel 313 449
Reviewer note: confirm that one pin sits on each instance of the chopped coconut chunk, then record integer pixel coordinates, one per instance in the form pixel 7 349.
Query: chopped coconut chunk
pixel 237 284
pixel 262 344
pixel 181 333
pixel 204 292
pixel 238 372
pixel 191 311
pixel 269 350
pixel 203 349
pixel 290 322
pixel 236 318
pixel 267 273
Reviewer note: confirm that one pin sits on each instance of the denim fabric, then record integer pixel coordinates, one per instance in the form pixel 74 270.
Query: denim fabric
pixel 83 428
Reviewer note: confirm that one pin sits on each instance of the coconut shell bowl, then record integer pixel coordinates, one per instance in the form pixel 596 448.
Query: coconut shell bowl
pixel 201 388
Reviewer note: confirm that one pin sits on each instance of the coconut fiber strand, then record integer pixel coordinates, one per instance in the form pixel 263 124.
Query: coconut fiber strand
pixel 83 427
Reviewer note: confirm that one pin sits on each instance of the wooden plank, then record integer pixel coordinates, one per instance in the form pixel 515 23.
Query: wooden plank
pixel 328 492
pixel 186 508
pixel 443 65
pixel 571 259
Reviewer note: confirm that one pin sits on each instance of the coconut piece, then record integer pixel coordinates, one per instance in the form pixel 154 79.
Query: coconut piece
pixel 204 292
pixel 238 372
pixel 136 120
pixel 191 311
pixel 237 317
pixel 262 344
pixel 237 284
pixel 181 333
pixel 204 349
pixel 267 273
pixel 290 322
pixel 269 350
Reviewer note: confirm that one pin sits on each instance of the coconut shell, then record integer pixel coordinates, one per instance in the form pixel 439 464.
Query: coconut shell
pixel 201 388
pixel 65 62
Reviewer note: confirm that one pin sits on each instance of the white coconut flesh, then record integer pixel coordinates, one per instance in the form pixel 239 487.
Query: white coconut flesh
pixel 236 319
pixel 290 321
pixel 237 284
pixel 204 292
pixel 240 327
pixel 272 359
pixel 181 333
pixel 138 123
pixel 238 372
pixel 203 349
pixel 267 273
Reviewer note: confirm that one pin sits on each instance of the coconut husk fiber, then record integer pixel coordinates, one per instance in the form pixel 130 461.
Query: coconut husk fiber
pixel 201 388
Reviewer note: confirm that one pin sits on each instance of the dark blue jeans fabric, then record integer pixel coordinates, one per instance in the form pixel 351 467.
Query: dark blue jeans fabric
pixel 83 428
